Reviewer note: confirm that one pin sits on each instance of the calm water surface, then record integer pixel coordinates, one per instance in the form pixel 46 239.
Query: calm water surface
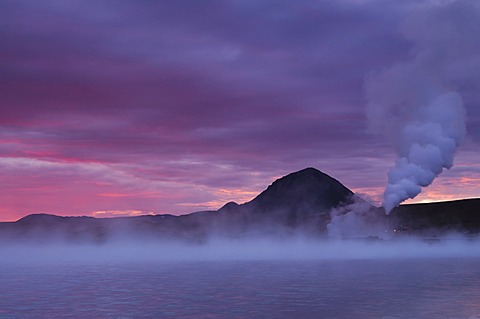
pixel 409 288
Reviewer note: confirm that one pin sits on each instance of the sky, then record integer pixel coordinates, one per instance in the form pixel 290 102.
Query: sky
pixel 128 107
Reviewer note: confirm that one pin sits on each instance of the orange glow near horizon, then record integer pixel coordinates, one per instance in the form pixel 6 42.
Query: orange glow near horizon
pixel 119 202
pixel 223 196
pixel 439 191
pixel 119 213
pixel 442 190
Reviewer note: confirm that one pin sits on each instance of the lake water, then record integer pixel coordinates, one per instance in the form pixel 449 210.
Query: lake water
pixel 366 288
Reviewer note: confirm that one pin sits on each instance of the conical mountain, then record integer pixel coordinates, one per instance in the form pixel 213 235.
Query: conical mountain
pixel 308 189
pixel 300 199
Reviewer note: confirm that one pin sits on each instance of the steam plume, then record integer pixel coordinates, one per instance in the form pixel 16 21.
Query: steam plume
pixel 417 103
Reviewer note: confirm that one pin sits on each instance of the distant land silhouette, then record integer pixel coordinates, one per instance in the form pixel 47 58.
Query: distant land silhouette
pixel 300 202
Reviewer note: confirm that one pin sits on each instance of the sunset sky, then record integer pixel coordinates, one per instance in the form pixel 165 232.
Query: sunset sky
pixel 128 107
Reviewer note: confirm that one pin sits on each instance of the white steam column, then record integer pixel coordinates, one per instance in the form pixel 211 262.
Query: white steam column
pixel 426 146
pixel 417 103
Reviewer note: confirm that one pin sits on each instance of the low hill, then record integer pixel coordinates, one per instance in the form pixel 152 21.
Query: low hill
pixel 458 216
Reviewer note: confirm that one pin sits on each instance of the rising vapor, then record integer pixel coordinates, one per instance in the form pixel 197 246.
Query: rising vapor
pixel 417 104
pixel 223 249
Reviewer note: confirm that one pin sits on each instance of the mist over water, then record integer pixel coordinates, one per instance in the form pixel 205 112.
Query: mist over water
pixel 251 277
pixel 218 249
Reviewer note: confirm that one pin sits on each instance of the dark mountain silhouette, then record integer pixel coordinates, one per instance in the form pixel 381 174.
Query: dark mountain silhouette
pixel 303 191
pixel 299 202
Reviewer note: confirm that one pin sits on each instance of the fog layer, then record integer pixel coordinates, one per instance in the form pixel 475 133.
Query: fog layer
pixel 298 248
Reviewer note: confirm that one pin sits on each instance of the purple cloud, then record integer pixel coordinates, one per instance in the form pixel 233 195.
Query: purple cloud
pixel 173 105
